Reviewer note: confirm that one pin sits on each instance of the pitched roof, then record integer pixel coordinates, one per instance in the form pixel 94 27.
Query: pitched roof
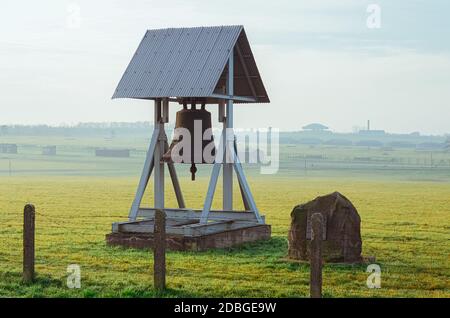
pixel 191 62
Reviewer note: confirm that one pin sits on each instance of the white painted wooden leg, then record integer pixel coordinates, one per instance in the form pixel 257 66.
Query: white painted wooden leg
pixel 246 188
pixel 175 182
pixel 244 198
pixel 212 183
pixel 145 176
pixel 228 136
pixel 227 180
pixel 159 175
pixel 159 152
pixel 210 194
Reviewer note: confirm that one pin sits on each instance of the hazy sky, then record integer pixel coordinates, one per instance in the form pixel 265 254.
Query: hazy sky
pixel 319 60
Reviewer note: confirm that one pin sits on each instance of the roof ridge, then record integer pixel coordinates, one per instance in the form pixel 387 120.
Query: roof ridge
pixel 197 27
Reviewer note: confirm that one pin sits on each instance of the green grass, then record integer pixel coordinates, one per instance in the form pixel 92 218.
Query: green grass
pixel 404 224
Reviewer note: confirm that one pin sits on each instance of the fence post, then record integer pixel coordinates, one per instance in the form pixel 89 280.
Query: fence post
pixel 316 255
pixel 28 243
pixel 159 250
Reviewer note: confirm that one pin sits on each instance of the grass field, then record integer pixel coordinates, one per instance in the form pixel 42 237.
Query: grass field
pixel 405 224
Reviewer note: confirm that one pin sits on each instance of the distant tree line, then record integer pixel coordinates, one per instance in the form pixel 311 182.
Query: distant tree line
pixel 109 129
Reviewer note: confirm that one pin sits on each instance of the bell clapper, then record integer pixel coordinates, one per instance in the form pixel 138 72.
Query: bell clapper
pixel 193 171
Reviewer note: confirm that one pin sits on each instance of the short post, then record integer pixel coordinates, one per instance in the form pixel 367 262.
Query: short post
pixel 28 243
pixel 159 250
pixel 316 255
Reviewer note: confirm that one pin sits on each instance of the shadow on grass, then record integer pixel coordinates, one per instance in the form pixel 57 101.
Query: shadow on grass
pixel 268 254
pixel 41 280
pixel 11 284
pixel 275 246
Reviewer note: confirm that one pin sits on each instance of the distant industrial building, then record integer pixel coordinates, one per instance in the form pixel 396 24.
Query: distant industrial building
pixel 112 153
pixel 49 151
pixel 8 148
pixel 371 132
pixel 315 127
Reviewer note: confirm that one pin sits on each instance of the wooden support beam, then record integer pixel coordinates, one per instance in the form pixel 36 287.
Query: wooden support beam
pixel 236 98
pixel 246 188
pixel 174 178
pixel 228 137
pixel 316 256
pixel 212 184
pixel 241 187
pixel 145 176
pixel 28 243
pixel 244 67
pixel 196 214
pixel 159 251
pixel 184 228
pixel 159 152
pixel 241 77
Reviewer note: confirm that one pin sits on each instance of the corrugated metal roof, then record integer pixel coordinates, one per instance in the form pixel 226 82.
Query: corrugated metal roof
pixel 190 62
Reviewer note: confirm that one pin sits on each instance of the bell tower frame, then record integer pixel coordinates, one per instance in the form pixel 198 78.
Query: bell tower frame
pixel 227 149
pixel 220 61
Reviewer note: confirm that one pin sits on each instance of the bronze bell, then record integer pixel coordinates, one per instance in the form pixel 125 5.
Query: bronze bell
pixel 186 119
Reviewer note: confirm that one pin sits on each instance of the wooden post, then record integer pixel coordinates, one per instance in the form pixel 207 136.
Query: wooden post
pixel 316 255
pixel 159 250
pixel 28 243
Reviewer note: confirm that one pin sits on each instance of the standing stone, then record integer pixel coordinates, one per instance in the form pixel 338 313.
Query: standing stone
pixel 341 232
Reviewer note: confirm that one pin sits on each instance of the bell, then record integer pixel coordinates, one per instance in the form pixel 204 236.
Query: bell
pixel 186 118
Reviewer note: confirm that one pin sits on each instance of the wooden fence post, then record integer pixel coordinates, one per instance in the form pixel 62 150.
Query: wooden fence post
pixel 159 250
pixel 28 243
pixel 316 255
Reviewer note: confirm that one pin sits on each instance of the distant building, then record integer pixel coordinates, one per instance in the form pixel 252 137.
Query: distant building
pixel 372 132
pixel 8 148
pixel 113 153
pixel 315 127
pixel 49 151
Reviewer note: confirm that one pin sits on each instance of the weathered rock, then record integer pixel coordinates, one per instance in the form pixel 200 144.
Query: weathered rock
pixel 342 229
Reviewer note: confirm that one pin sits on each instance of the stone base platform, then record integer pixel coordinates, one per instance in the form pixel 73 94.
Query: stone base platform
pixel 203 242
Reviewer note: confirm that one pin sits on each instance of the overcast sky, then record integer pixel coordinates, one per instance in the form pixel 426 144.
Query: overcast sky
pixel 319 60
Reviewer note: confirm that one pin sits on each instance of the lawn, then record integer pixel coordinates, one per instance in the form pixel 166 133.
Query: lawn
pixel 405 224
